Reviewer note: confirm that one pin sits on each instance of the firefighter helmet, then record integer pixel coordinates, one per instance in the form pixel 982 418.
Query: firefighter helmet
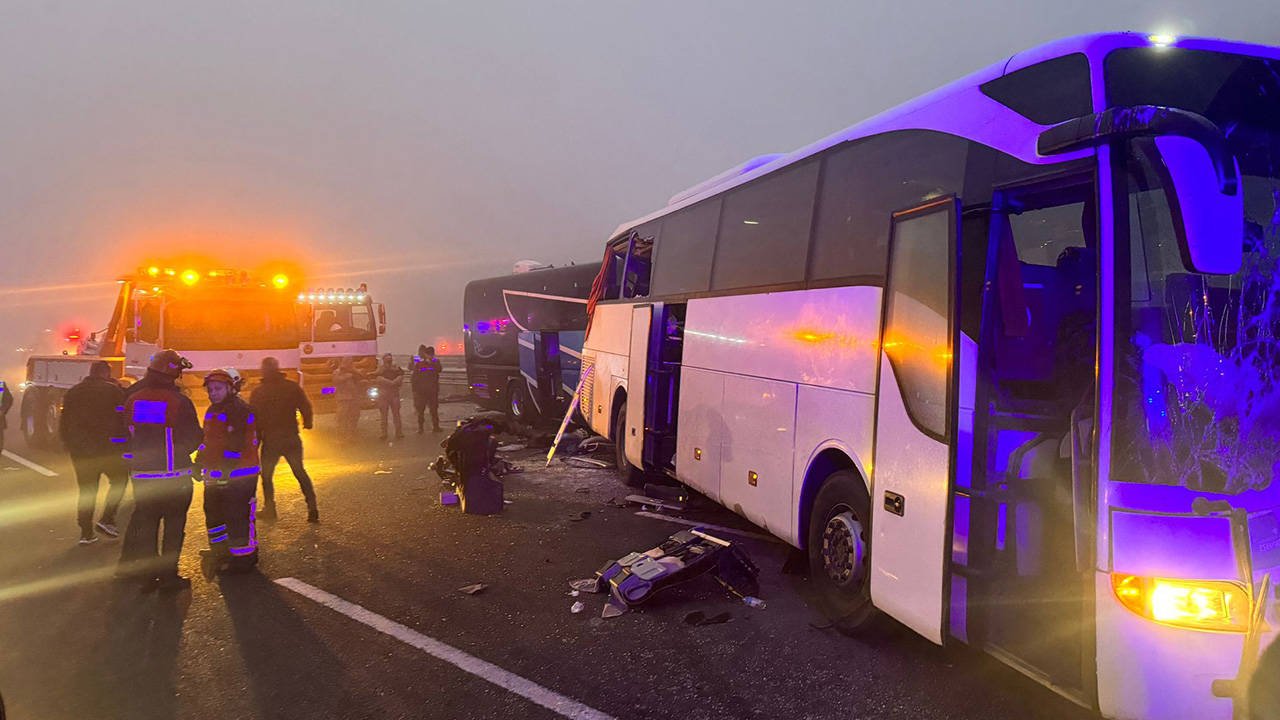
pixel 230 376
pixel 169 362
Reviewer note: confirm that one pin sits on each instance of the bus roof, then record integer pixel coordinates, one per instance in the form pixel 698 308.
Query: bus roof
pixel 960 108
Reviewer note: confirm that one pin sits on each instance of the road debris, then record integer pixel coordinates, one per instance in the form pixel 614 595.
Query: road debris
pixel 655 503
pixel 579 517
pixel 577 607
pixel 635 577
pixel 473 589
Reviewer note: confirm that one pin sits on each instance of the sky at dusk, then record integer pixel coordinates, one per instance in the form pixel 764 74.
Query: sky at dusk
pixel 418 145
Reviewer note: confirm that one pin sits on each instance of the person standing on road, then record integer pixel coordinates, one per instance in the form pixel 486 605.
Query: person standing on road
pixel 93 431
pixel 6 402
pixel 163 432
pixel 388 380
pixel 228 463
pixel 346 384
pixel 425 383
pixel 277 402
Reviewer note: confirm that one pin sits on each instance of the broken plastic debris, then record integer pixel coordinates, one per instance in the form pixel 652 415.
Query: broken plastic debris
pixel 381 472
pixel 613 608
pixel 577 607
pixel 574 593
pixel 591 585
pixel 580 516
pixel 510 448
pixel 755 602
pixel 473 588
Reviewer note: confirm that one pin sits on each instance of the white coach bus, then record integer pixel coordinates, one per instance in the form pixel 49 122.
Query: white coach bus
pixel 1004 361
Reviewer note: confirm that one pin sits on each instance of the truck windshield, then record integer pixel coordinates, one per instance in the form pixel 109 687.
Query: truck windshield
pixel 344 322
pixel 1198 377
pixel 230 325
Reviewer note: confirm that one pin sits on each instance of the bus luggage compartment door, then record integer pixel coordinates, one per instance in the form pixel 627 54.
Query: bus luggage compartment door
pixel 637 362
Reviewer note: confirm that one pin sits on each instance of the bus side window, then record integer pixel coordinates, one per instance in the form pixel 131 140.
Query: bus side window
pixel 639 265
pixel 613 271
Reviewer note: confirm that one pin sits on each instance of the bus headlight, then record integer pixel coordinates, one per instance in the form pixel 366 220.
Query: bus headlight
pixel 1214 605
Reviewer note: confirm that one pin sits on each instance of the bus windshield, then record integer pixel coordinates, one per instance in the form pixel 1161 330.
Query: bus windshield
pixel 1198 378
pixel 335 323
pixel 230 325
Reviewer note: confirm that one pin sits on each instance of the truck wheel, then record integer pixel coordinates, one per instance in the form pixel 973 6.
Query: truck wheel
pixel 839 546
pixel 32 418
pixel 52 419
pixel 631 477
pixel 519 405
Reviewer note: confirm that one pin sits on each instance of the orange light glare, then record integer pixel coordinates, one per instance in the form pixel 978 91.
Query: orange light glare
pixel 280 281
pixel 153 271
pixel 190 277
pixel 1212 605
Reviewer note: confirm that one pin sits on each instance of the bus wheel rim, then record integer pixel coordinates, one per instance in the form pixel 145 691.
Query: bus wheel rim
pixel 843 550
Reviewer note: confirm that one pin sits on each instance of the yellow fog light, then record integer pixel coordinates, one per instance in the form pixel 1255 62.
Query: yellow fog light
pixel 1198 604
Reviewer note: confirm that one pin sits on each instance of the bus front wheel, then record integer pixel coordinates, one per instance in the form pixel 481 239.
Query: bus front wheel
pixel 631 477
pixel 839 545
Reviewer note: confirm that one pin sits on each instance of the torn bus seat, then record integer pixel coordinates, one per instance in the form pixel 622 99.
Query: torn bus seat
pixel 634 578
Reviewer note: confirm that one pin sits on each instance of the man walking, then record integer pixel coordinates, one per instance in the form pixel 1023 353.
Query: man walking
pixel 277 403
pixel 163 432
pixel 6 402
pixel 388 380
pixel 346 386
pixel 425 384
pixel 93 431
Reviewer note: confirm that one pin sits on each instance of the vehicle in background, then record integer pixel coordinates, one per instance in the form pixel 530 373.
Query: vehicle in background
pixel 523 339
pixel 337 323
pixel 1044 300
pixel 216 318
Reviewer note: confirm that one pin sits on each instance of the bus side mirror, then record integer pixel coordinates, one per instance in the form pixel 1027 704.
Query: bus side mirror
pixel 382 319
pixel 1208 214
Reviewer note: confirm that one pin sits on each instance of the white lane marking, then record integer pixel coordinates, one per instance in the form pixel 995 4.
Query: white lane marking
pixel 23 461
pixel 527 689
pixel 709 526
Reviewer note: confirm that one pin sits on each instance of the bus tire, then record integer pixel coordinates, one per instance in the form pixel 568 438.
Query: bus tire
pixel 519 405
pixel 32 417
pixel 631 477
pixel 839 548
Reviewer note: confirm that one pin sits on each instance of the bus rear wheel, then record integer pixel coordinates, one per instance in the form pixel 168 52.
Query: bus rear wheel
pixel 839 545
pixel 631 477
pixel 34 418
pixel 519 405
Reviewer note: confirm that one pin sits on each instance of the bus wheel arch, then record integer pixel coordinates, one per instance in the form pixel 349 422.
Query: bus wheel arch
pixel 836 512
pixel 630 475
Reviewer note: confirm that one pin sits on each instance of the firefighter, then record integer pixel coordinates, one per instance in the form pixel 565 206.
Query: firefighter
pixel 277 402
pixel 346 384
pixel 6 402
pixel 92 429
pixel 425 383
pixel 387 381
pixel 163 432
pixel 228 464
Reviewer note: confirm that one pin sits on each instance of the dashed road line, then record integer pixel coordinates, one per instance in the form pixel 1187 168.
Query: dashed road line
pixel 23 461
pixel 527 689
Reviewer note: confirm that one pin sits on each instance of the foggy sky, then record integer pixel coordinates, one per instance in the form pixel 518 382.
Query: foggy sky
pixel 418 145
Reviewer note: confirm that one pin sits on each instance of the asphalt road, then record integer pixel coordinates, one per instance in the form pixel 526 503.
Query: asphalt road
pixel 75 644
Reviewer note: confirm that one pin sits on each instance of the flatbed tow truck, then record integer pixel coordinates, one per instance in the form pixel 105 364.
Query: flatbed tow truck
pixel 218 317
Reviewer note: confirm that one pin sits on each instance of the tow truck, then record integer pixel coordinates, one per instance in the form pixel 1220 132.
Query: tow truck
pixel 337 323
pixel 216 317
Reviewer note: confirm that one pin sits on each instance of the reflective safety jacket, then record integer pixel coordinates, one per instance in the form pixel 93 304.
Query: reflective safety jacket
pixel 230 448
pixel 163 429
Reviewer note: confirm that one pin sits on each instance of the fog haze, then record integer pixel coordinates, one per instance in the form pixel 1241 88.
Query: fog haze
pixel 416 146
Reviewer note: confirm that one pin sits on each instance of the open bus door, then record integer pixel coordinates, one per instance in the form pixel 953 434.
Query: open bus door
pixel 915 422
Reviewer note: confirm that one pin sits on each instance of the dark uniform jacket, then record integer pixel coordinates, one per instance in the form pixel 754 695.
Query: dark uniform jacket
pixel 277 402
pixel 92 421
pixel 230 447
pixel 163 428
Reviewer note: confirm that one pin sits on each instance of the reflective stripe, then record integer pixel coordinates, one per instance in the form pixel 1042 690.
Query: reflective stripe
pixel 218 539
pixel 231 454
pixel 244 471
pixel 215 474
pixel 242 551
pixel 184 472
pixel 220 528
pixel 168 447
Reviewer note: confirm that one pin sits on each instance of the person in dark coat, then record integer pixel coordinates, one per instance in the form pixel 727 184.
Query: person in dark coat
pixel 388 381
pixel 425 383
pixel 163 432
pixel 6 402
pixel 278 401
pixel 93 431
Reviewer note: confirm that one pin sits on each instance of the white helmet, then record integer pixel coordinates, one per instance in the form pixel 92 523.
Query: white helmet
pixel 230 376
